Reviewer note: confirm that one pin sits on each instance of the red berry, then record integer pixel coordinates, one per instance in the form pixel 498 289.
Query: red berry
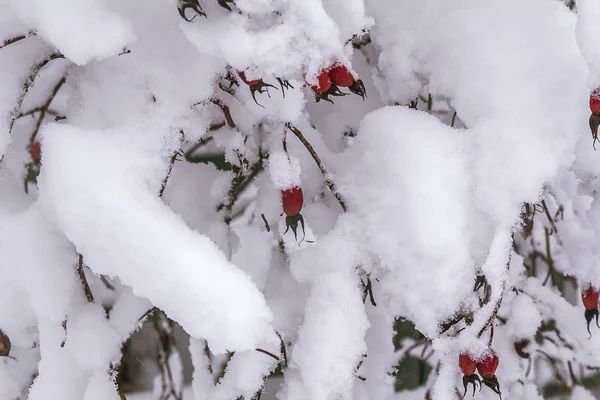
pixel 590 298
pixel 488 364
pixel 35 151
pixel 292 200
pixel 467 364
pixel 323 82
pixel 4 345
pixel 253 82
pixel 340 75
pixel 595 101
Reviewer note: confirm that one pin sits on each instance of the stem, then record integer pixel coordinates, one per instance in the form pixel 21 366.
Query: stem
pixel 15 39
pixel 268 353
pixel 171 163
pixel 238 184
pixel 83 279
pixel 491 318
pixel 551 220
pixel 225 110
pixel 282 351
pixel 166 347
pixel 44 108
pixel 27 84
pixel 315 156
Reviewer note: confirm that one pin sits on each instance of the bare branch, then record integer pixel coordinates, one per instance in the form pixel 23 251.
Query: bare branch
pixel 492 316
pixel 15 39
pixel 27 84
pixel 82 278
pixel 168 175
pixel 44 108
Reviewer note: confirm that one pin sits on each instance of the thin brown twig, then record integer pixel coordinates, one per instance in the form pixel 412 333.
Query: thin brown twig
pixel 16 39
pixel 169 169
pixel 551 220
pixel 166 347
pixel 282 351
pixel 36 110
pixel 146 314
pixel 492 316
pixel 315 156
pixel 238 184
pixel 268 353
pixel 26 85
pixel 44 108
pixel 225 110
pixel 83 279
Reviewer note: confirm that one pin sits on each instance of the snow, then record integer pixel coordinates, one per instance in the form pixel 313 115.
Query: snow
pixel 426 207
pixel 100 32
pixel 525 318
pixel 397 226
pixel 284 170
pixel 119 207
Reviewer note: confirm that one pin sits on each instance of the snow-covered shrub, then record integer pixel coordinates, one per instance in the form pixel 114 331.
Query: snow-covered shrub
pixel 337 196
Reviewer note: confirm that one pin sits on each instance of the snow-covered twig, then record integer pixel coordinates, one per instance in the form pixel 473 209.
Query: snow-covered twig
pixel 84 283
pixel 18 38
pixel 225 110
pixel 44 108
pixel 492 316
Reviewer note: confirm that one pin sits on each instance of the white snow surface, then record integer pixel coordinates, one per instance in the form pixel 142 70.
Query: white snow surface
pixel 429 206
pixel 80 29
pixel 167 263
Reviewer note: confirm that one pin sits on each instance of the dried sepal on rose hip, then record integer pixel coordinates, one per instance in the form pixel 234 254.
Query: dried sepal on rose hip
pixel 223 3
pixel 256 86
pixel 324 87
pixel 183 5
pixel 468 365
pixel 486 367
pixel 589 296
pixel 341 76
pixel 292 201
pixel 4 345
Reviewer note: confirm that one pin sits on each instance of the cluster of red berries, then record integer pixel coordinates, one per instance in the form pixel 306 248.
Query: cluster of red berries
pixel 589 297
pixel 292 201
pixel 486 367
pixel 595 117
pixel 329 80
pixel 328 83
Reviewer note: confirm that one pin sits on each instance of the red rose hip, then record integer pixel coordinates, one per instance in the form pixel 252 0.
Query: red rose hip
pixel 292 200
pixel 323 82
pixel 488 364
pixel 589 297
pixel 467 364
pixel 35 151
pixel 595 101
pixel 341 76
